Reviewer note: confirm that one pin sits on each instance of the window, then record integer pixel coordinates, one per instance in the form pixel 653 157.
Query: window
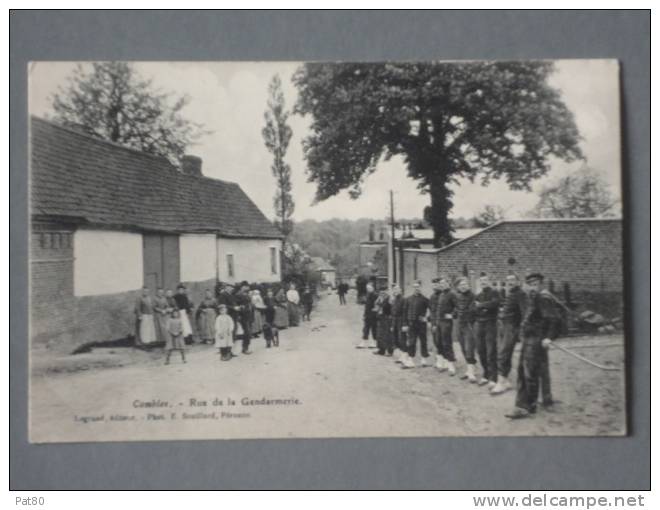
pixel 273 260
pixel 230 265
pixel 415 267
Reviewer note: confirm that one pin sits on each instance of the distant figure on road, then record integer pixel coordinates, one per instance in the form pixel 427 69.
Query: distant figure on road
pixel 342 290
pixel 307 300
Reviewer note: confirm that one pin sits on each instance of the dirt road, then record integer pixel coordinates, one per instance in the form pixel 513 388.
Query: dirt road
pixel 316 384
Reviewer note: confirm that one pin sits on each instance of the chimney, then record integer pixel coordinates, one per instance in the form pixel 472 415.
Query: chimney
pixel 191 165
pixel 372 232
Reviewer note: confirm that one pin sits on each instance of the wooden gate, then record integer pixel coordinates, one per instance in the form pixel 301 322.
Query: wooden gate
pixel 161 260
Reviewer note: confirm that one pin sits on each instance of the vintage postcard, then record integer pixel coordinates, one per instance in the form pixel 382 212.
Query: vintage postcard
pixel 229 250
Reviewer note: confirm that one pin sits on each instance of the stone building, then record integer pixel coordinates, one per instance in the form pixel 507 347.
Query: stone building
pixel 107 220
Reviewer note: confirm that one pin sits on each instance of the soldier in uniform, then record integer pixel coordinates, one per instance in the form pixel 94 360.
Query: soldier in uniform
pixel 486 306
pixel 443 326
pixel 433 304
pixel 464 316
pixel 398 336
pixel 508 328
pixel 540 326
pixel 369 318
pixel 415 310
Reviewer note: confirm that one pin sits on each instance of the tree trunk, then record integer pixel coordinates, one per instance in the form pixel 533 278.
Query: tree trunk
pixel 441 204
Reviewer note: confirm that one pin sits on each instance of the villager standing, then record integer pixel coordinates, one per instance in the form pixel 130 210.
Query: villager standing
pixel 144 313
pixel 293 305
pixel 433 305
pixel 175 337
pixel 224 333
pixel 270 329
pixel 281 309
pixel 415 316
pixel 369 319
pixel 486 305
pixel 541 324
pixel 307 300
pixel 465 316
pixel 444 324
pixel 258 307
pixel 508 330
pixel 243 305
pixel 162 310
pixel 206 314
pixel 185 308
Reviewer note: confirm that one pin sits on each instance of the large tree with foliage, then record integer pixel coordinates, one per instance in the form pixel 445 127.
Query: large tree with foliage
pixel 479 120
pixel 582 194
pixel 110 100
pixel 277 135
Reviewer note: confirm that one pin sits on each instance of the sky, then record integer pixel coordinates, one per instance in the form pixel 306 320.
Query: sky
pixel 229 99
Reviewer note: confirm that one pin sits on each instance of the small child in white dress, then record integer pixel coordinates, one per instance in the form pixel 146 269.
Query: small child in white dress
pixel 224 333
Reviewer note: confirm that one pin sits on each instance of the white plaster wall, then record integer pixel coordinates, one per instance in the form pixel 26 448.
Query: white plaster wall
pixel 251 259
pixel 197 257
pixel 106 262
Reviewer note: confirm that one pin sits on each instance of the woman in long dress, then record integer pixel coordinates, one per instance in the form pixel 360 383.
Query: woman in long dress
pixel 144 312
pixel 206 314
pixel 162 310
pixel 281 310
pixel 258 318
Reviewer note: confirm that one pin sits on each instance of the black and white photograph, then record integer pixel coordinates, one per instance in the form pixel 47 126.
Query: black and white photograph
pixel 255 250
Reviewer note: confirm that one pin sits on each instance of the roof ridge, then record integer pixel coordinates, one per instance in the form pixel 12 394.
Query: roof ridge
pixel 102 141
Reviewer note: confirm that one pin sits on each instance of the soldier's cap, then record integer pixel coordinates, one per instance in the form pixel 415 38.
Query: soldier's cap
pixel 532 277
pixel 483 273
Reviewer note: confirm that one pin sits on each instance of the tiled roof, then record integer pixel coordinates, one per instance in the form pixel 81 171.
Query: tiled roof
pixel 74 175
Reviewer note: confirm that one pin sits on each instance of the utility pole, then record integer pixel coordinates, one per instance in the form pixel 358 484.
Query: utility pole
pixel 392 239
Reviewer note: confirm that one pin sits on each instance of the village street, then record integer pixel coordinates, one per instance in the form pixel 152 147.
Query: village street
pixel 326 387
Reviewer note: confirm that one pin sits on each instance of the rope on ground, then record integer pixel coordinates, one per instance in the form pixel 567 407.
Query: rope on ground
pixel 582 358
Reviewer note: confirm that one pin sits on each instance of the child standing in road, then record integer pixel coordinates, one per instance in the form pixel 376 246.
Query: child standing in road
pixel 174 341
pixel 224 329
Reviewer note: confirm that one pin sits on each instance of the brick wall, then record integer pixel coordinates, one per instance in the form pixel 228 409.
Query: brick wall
pixel 586 254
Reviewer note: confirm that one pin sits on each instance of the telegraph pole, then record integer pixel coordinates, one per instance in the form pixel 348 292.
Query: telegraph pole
pixel 393 240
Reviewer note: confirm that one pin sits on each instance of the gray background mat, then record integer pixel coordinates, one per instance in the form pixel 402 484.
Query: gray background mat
pixel 434 463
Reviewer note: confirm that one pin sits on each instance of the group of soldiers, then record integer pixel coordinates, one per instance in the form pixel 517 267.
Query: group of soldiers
pixel 487 324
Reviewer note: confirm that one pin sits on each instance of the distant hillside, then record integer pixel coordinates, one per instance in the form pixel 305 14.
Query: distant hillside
pixel 337 240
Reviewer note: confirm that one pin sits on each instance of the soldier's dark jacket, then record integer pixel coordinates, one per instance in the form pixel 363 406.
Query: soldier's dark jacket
pixel 542 317
pixel 513 306
pixel 445 304
pixel 486 304
pixel 463 310
pixel 397 306
pixel 369 303
pixel 415 307
pixel 433 303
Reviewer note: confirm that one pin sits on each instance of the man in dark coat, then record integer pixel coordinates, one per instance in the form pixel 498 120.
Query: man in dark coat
pixel 486 306
pixel 415 310
pixel 242 306
pixel 443 324
pixel 541 324
pixel 342 290
pixel 508 327
pixel 370 319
